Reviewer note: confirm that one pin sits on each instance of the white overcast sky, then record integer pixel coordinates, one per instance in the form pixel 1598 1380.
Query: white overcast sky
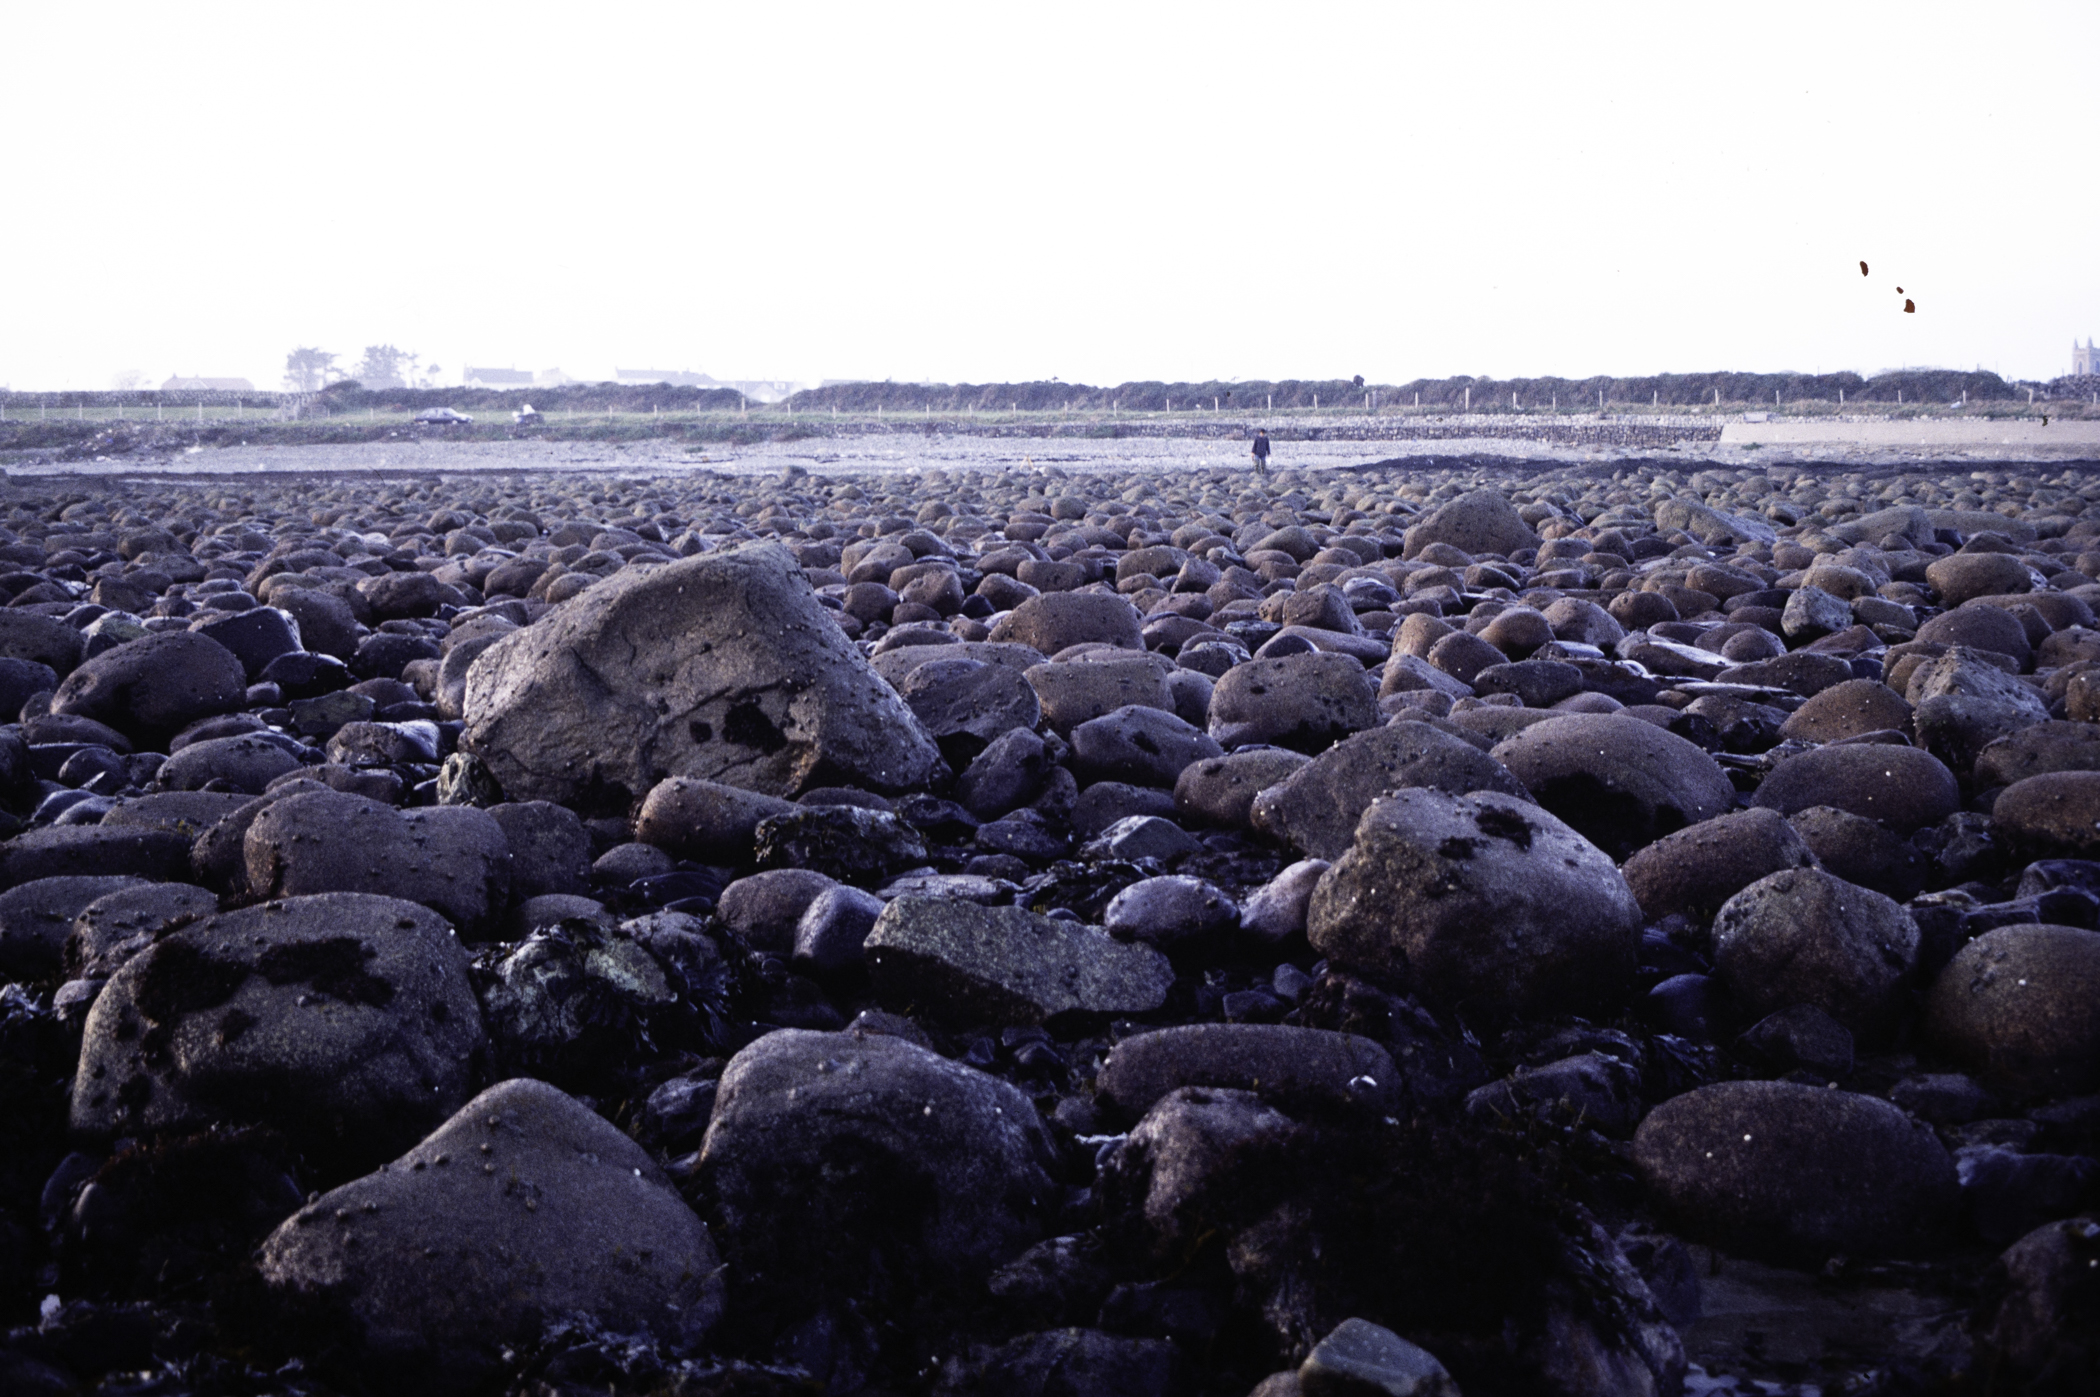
pixel 1011 191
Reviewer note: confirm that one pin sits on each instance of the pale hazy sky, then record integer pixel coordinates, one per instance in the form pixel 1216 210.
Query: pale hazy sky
pixel 1093 192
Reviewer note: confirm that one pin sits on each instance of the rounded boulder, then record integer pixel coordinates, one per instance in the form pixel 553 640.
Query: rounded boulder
pixel 1620 782
pixel 2020 1006
pixel 1795 1173
pixel 1481 900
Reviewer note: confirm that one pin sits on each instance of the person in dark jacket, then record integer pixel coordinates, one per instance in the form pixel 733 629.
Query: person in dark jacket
pixel 1261 453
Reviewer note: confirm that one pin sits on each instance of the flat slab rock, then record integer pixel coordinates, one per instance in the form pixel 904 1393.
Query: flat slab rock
pixel 965 962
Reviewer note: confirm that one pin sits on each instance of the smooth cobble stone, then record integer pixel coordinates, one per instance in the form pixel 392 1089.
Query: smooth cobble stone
pixel 1795 1173
pixel 1901 787
pixel 1623 784
pixel 2021 1005
pixel 1293 1068
pixel 1695 870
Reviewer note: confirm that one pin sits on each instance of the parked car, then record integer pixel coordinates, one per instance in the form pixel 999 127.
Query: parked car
pixel 443 417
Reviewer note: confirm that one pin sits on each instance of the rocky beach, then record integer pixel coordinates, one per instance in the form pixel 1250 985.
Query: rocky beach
pixel 1041 915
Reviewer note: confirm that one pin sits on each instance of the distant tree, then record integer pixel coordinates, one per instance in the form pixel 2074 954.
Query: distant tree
pixel 306 369
pixel 127 380
pixel 384 367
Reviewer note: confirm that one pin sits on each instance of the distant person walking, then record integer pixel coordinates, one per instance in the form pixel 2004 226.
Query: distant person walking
pixel 1261 453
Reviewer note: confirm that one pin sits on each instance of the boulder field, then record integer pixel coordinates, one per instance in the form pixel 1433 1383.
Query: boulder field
pixel 1457 928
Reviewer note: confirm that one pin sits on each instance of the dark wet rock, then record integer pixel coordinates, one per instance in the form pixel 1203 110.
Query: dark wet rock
pixel 247 764
pixel 1803 936
pixel 573 1000
pixel 1143 746
pixel 1106 802
pixel 1901 787
pixel 1222 790
pixel 834 928
pixel 969 963
pixel 629 863
pixel 1059 620
pixel 1359 1357
pixel 2036 1322
pixel 2037 750
pixel 828 1149
pixel 980 702
pixel 1303 702
pixel 1800 1038
pixel 722 667
pixel 37 916
pixel 1005 775
pixel 1621 783
pixel 1804 672
pixel 1961 576
pixel 1071 694
pixel 1847 710
pixel 1173 912
pixel 1480 900
pixel 523 1208
pixel 1596 1089
pixel 344 1020
pixel 452 859
pixel 2021 1006
pixel 1537 683
pixel 118 925
pixel 1276 911
pixel 1293 1068
pixel 256 636
pixel 843 842
pixel 1795 1173
pixel 763 910
pixel 705 820
pixel 1199 1162
pixel 1140 837
pixel 1862 851
pixel 1315 809
pixel 328 625
pixel 59 851
pixel 2056 815
pixel 550 851
pixel 153 687
pixel 1695 870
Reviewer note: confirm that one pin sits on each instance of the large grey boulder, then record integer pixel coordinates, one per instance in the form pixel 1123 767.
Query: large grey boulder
pixel 1315 809
pixel 524 1208
pixel 975 964
pixel 1482 901
pixel 723 667
pixel 827 1148
pixel 346 1021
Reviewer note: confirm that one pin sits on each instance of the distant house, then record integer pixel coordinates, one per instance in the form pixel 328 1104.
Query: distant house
pixel 2084 361
pixel 497 378
pixel 552 378
pixel 680 378
pixel 179 384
